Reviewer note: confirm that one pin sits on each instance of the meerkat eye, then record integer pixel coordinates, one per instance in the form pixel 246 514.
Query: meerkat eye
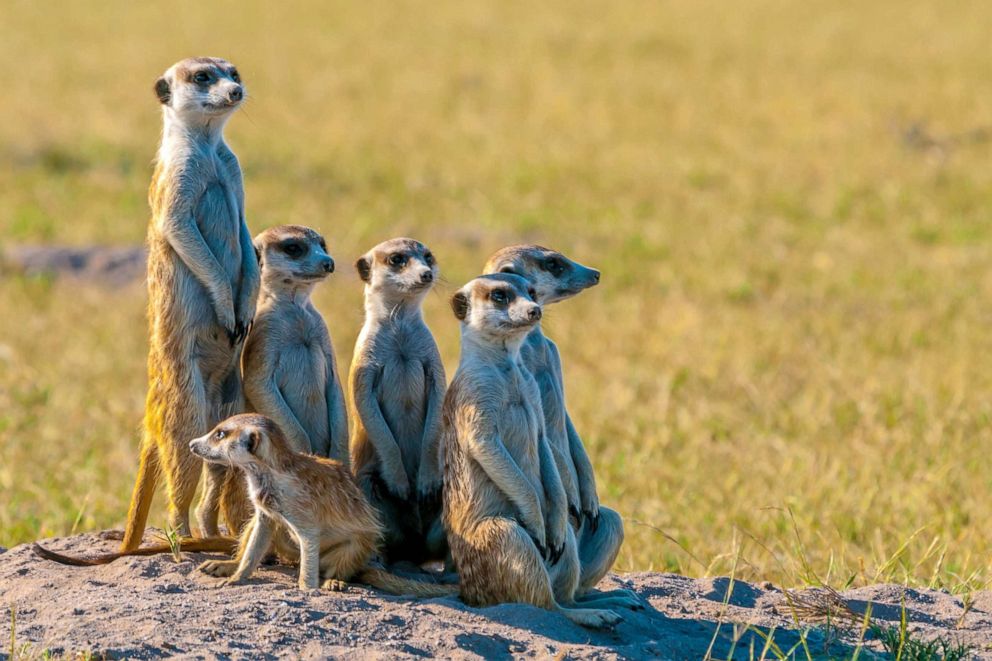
pixel 397 259
pixel 220 434
pixel 235 77
pixel 498 296
pixel 201 77
pixel 323 245
pixel 429 258
pixel 554 266
pixel 532 293
pixel 293 249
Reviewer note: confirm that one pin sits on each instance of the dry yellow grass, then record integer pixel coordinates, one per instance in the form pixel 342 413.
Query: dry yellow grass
pixel 794 311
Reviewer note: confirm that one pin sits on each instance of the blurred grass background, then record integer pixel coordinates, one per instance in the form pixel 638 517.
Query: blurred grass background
pixel 788 360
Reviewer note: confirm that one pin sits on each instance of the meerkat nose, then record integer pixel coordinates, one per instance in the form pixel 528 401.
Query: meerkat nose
pixel 329 265
pixel 534 314
pixel 595 276
pixel 236 94
pixel 427 276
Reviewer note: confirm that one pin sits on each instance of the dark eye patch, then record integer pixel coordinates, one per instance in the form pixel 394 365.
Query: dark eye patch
pixel 293 248
pixel 234 76
pixel 501 297
pixel 201 77
pixel 532 293
pixel 429 258
pixel 397 259
pixel 554 265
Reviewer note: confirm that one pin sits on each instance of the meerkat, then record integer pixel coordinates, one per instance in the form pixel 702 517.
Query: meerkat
pixel 316 500
pixel 203 283
pixel 505 508
pixel 290 373
pixel 397 385
pixel 555 277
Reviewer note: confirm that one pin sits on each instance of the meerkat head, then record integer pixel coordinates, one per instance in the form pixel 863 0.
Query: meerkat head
pixel 398 270
pixel 292 257
pixel 239 441
pixel 200 89
pixel 499 307
pixel 554 276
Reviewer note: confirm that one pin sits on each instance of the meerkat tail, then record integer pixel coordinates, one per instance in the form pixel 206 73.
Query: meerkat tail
pixel 397 585
pixel 141 497
pixel 204 545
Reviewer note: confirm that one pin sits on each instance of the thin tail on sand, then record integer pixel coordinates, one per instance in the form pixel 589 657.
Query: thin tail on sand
pixel 226 545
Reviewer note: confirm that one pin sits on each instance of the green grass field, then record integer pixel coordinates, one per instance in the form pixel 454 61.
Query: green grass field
pixel 788 361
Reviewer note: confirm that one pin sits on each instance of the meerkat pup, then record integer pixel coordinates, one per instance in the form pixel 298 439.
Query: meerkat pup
pixel 315 500
pixel 505 509
pixel 554 277
pixel 397 385
pixel 203 283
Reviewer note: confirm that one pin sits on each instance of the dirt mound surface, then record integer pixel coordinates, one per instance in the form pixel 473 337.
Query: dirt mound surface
pixel 155 607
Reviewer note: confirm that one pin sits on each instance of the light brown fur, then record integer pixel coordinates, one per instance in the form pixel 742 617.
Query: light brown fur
pixel 397 385
pixel 307 508
pixel 555 277
pixel 505 509
pixel 202 285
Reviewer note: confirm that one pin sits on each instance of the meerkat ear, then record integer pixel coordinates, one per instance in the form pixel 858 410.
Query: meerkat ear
pixel 459 303
pixel 162 91
pixel 258 253
pixel 251 440
pixel 364 268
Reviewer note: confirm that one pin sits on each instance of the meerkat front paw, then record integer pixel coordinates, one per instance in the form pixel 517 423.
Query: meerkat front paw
pixel 334 585
pixel 219 568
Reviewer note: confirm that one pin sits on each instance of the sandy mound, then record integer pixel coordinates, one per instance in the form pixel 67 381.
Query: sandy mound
pixel 155 607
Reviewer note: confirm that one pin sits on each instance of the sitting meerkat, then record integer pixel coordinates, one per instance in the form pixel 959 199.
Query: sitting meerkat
pixel 397 385
pixel 554 277
pixel 505 508
pixel 290 373
pixel 289 369
pixel 313 499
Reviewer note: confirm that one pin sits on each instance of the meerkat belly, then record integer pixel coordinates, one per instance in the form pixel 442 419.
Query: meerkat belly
pixel 403 400
pixel 519 428
pixel 302 380
pixel 219 221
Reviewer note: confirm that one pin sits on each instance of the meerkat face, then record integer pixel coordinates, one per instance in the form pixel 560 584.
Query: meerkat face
pixel 554 276
pixel 401 268
pixel 292 255
pixel 201 87
pixel 498 306
pixel 236 441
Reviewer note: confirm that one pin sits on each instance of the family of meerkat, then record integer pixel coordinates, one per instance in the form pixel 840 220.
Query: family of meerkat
pixel 487 474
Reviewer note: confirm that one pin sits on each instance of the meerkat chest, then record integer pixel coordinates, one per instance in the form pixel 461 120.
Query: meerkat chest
pixel 520 425
pixel 403 373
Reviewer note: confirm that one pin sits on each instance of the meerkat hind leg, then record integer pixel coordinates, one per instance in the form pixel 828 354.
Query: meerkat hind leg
pixel 503 565
pixel 344 558
pixel 598 549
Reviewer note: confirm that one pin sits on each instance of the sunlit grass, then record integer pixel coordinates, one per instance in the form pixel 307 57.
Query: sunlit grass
pixel 790 345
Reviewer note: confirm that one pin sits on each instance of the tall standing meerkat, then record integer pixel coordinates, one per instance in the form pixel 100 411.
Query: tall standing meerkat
pixel 315 500
pixel 397 385
pixel 505 509
pixel 203 283
pixel 555 277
